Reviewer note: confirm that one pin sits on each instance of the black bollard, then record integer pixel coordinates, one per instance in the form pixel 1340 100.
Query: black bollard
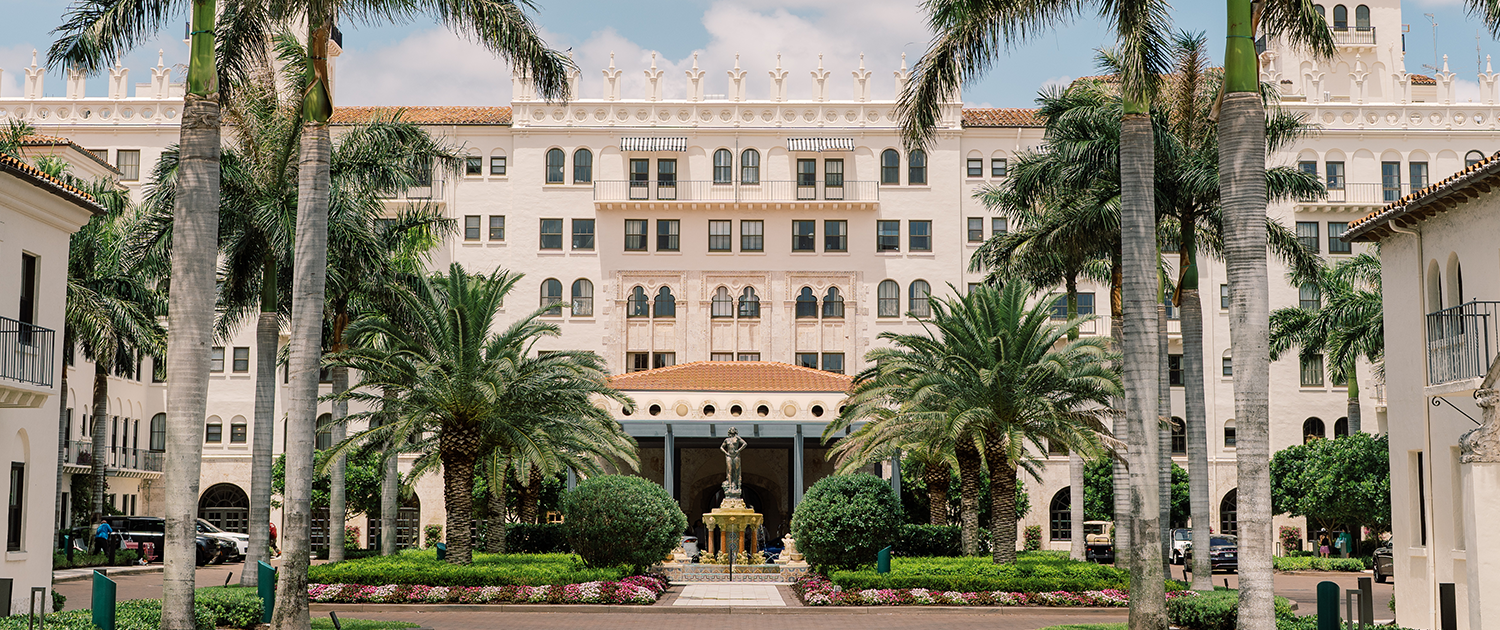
pixel 335 617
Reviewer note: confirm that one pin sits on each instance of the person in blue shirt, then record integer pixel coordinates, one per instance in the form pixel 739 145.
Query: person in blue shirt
pixel 103 538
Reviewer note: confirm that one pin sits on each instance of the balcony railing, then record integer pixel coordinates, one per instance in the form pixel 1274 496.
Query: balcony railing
pixel 1461 341
pixel 25 352
pixel 1357 36
pixel 736 192
pixel 433 190
pixel 81 453
pixel 1363 194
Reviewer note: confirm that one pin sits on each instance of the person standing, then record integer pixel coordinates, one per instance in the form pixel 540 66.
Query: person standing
pixel 1323 543
pixel 103 538
pixel 274 551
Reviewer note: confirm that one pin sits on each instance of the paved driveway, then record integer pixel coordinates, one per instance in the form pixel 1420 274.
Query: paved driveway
pixel 1302 587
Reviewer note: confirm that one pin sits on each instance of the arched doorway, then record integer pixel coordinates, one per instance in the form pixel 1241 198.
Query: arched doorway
pixel 227 507
pixel 1060 515
pixel 1312 428
pixel 1229 513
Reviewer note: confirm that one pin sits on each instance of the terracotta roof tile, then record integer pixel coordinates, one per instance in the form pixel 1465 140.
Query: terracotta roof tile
pixel 1001 117
pixel 1420 201
pixel 39 140
pixel 733 376
pixel 426 115
pixel 54 185
pixel 1421 79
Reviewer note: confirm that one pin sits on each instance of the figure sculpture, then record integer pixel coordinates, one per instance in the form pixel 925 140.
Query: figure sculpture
pixel 731 447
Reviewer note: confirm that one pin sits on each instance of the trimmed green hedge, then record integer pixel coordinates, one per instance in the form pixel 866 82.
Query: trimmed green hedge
pixel 1217 611
pixel 845 520
pixel 422 567
pixel 1035 572
pixel 928 541
pixel 1308 563
pixel 621 519
pixel 213 608
pixel 123 558
pixel 536 538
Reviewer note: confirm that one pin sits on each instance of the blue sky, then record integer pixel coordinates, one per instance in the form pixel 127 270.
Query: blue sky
pixel 423 64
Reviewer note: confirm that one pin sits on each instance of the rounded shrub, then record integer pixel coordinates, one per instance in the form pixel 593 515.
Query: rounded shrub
pixel 845 520
pixel 619 519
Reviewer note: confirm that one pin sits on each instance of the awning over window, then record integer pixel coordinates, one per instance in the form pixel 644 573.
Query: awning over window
pixel 653 144
pixel 820 144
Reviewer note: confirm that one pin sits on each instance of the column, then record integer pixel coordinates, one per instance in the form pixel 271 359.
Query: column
pixel 896 473
pixel 797 473
pixel 1479 466
pixel 668 469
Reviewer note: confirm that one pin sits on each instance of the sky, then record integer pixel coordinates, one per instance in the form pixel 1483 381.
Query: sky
pixel 422 63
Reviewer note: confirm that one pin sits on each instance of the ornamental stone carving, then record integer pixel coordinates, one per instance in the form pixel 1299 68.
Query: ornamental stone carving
pixel 1482 445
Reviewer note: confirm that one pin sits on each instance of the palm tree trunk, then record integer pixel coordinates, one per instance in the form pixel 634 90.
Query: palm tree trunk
pixel 494 540
pixel 968 499
pixel 310 262
pixel 936 476
pixel 390 508
pixel 1242 168
pixel 1164 437
pixel 458 450
pixel 101 432
pixel 1120 473
pixel 1197 433
pixel 267 333
pixel 1002 502
pixel 1078 550
pixel 338 512
pixel 1138 258
pixel 1353 414
pixel 62 448
pixel 190 313
pixel 532 496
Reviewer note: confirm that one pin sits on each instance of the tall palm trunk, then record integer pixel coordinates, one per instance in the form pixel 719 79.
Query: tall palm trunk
pixel 309 270
pixel 1078 547
pixel 968 498
pixel 494 540
pixel 1353 382
pixel 1242 182
pixel 267 333
pixel 338 513
pixel 936 476
pixel 390 508
pixel 1002 501
pixel 1138 258
pixel 1164 436
pixel 1196 413
pixel 101 432
pixel 532 496
pixel 458 453
pixel 1120 479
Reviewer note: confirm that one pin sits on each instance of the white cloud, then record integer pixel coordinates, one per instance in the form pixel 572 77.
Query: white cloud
pixel 1466 91
pixel 1057 82
pixel 430 67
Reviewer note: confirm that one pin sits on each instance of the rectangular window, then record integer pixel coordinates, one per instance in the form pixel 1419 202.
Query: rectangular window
pixel 920 236
pixel 975 167
pixel 747 356
pixel 551 234
pixel 213 432
pixel 1085 305
pixel 663 359
pixel 583 234
pixel 1228 366
pixel 637 361
pixel 1307 234
pixel 129 163
pixel 998 226
pixel 721 356
pixel 1335 171
pixel 102 154
pixel 1229 440
pixel 640 178
pixel 1224 297
pixel 1390 181
pixel 471 227
pixel 497 165
pixel 666 173
pixel 635 235
pixel 1308 167
pixel 1336 244
pixel 887 236
pixel 804 236
pixel 1312 372
pixel 667 235
pixel 833 362
pixel 14 523
pixel 29 280
pixel 1417 175
pixel 972 286
pixel 808 359
pixel 997 167
pixel 1309 298
pixel 916 168
pixel 835 235
pixel 833 173
pixel 242 359
pixel 976 229
pixel 752 235
pixel 497 227
pixel 720 236
pixel 807 173
pixel 1421 478
pixel 216 359
pixel 237 433
pixel 473 165
pixel 1174 370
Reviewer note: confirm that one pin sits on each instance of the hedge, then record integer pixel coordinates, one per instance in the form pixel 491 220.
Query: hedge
pixel 422 567
pixel 1033 573
pixel 845 520
pixel 1217 611
pixel 536 538
pixel 123 558
pixel 213 608
pixel 1311 563
pixel 923 541
pixel 620 519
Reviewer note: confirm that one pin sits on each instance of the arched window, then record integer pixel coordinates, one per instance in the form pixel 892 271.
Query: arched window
pixel 1340 18
pixel 238 430
pixel 1341 428
pixel 916 168
pixel 552 296
pixel 666 305
pixel 1312 428
pixel 583 166
pixel 890 167
pixel 888 299
pixel 723 166
pixel 159 432
pixel 1060 515
pixel 1362 18
pixel 750 167
pixel 1229 522
pixel 723 304
pixel 807 303
pixel 583 297
pixel 749 303
pixel 213 431
pixel 554 166
pixel 833 303
pixel 323 439
pixel 1179 436
pixel 227 507
pixel 1472 158
pixel 917 299
pixel 1319 9
pixel 1229 440
pixel 637 305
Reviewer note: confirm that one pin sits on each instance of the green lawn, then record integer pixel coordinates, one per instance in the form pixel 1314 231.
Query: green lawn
pixel 422 567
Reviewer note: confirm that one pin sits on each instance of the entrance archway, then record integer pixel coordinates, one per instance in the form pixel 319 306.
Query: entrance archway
pixel 227 507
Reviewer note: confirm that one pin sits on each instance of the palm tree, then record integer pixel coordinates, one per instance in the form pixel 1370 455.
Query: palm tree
pixel 1006 378
pixel 922 437
pixel 467 391
pixel 1346 325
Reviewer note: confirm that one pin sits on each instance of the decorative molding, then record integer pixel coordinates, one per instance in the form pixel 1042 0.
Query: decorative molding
pixel 1482 445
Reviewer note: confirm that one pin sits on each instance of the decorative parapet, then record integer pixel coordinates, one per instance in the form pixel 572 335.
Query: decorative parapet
pixel 156 103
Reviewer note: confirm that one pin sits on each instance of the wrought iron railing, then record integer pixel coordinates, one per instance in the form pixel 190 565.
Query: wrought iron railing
pixel 734 192
pixel 1363 194
pixel 432 190
pixel 25 352
pixel 81 453
pixel 1461 341
pixel 1360 35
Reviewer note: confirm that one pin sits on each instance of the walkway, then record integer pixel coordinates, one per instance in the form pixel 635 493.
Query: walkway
pixel 729 594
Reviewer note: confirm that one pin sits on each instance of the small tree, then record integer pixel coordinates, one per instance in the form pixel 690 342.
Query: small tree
pixel 844 520
pixel 619 519
pixel 1331 482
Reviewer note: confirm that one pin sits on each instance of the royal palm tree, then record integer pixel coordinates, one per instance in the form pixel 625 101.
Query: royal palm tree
pixel 1007 377
pixel 1345 325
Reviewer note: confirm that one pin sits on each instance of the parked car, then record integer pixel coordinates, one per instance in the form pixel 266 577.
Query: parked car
pixel 1223 553
pixel 1181 539
pixel 1099 541
pixel 211 549
pixel 1384 563
pixel 241 541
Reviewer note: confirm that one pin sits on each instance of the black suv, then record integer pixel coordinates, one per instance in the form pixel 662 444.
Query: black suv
pixel 150 529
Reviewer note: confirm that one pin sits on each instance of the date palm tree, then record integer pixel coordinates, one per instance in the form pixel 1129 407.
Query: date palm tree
pixel 1346 325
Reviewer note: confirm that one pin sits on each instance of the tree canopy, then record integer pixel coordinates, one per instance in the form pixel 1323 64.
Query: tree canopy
pixel 1331 482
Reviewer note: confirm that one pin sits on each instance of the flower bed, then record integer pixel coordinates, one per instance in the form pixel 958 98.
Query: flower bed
pixel 817 590
pixel 640 589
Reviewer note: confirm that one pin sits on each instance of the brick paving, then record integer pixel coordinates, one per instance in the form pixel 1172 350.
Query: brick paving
pixel 750 619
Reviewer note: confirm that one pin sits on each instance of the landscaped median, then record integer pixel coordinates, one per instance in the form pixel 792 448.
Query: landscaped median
pixel 418 577
pixel 1314 563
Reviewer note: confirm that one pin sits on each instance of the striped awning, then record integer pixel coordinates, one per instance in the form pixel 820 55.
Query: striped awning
pixel 820 144
pixel 653 144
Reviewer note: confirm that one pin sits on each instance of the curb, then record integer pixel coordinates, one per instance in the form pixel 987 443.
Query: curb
pixel 718 610
pixel 108 571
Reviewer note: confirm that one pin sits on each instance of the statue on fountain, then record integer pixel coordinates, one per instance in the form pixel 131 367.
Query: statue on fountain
pixel 733 492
